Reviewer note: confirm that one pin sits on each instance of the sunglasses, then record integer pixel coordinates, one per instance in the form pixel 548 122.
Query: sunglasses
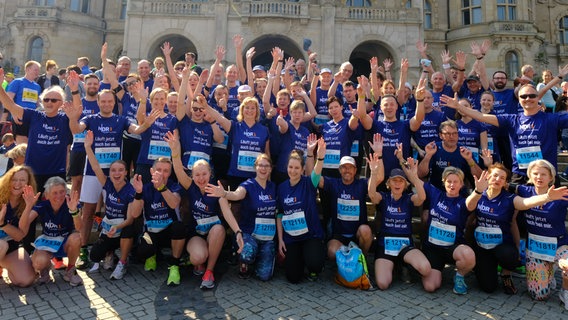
pixel 52 100
pixel 179 68
pixel 197 109
pixel 528 96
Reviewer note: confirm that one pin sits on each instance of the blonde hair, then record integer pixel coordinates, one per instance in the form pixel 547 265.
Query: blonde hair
pixel 452 170
pixel 18 151
pixel 5 187
pixel 541 163
pixel 240 117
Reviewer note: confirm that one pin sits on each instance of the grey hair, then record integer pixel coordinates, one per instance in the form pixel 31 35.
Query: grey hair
pixel 53 182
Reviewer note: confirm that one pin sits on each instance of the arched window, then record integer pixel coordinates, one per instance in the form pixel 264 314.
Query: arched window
pixel 512 64
pixel 471 12
pixel 563 30
pixel 36 49
pixel 358 3
pixel 427 15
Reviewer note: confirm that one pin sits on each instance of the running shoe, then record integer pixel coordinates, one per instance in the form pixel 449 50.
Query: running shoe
pixel 44 276
pixel 83 261
pixel 119 271
pixel 150 264
pixel 459 284
pixel 312 276
pixel 173 277
pixel 509 285
pixel 563 295
pixel 244 271
pixel 199 270
pixel 58 263
pixel 208 280
pixel 72 277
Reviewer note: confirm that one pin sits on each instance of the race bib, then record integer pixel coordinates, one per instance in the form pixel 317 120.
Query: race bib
pixel 525 155
pixel 321 119
pixel 246 159
pixel 106 224
pixel 29 95
pixel 355 148
pixel 205 224
pixel 106 156
pixel 196 155
pixel 331 159
pixel 348 210
pixel 393 245
pixel 223 145
pixel 156 226
pixel 264 229
pixel 542 247
pixel 474 153
pixel 488 237
pixel 442 234
pixel 490 144
pixel 79 137
pixel 47 243
pixel 4 236
pixel 295 224
pixel 158 149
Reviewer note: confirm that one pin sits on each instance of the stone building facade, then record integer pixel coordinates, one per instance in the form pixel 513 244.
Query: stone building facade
pixel 521 31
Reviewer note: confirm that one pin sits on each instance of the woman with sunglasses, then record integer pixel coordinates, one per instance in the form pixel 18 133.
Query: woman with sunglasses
pixel 196 135
pixel 257 221
pixel 533 133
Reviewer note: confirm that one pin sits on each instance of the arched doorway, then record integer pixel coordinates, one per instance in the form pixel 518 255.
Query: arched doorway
pixel 263 47
pixel 180 44
pixel 361 55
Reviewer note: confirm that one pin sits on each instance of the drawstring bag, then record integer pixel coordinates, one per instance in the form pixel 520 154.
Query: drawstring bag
pixel 352 268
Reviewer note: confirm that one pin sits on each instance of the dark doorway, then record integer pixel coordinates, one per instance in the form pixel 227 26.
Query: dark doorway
pixel 263 48
pixel 361 55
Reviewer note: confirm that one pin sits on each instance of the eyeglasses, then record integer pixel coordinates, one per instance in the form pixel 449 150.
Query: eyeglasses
pixel 131 83
pixel 197 109
pixel 52 100
pixel 263 165
pixel 528 96
pixel 450 134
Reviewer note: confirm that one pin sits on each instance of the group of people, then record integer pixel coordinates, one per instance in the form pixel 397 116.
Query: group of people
pixel 175 155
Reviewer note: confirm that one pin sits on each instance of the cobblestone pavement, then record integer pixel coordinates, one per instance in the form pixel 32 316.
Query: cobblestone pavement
pixel 144 295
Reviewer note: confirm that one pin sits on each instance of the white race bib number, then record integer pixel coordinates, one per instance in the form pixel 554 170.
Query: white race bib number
pixel 295 224
pixel 442 234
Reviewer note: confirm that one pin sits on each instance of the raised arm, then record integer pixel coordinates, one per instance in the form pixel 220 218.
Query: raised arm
pixel 562 72
pixel 238 43
pixel 167 51
pixel 250 74
pixel 375 88
pixel 223 122
pixel 418 117
pixel 481 185
pixel 183 108
pixel 551 195
pixel 173 141
pixel 424 165
pixel 400 96
pixel 410 168
pixel 375 163
pixel 89 138
pixel 16 110
pixel 483 117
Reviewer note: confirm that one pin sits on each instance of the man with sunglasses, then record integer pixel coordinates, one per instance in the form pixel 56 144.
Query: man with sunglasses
pixel 533 133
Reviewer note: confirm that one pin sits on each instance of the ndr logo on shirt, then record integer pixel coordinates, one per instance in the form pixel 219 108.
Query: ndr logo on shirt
pixel 249 134
pixel 49 128
pixel 527 126
pixel 104 129
pixel 289 200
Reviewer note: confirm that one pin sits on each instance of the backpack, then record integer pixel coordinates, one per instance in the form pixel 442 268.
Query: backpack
pixel 352 268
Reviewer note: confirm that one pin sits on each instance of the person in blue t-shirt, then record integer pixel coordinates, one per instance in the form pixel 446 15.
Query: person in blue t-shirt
pixel 348 216
pixel 446 222
pixel 25 92
pixel 394 243
pixel 60 220
pixel 205 232
pixel 117 231
pixel 17 196
pixel 547 243
pixel 258 219
pixel 300 234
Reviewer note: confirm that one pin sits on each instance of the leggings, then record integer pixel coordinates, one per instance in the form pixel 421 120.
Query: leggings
pixel 308 253
pixel 486 263
pixel 162 239
pixel 540 274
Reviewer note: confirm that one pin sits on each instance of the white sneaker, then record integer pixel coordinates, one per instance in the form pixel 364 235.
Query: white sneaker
pixel 94 268
pixel 119 271
pixel 563 295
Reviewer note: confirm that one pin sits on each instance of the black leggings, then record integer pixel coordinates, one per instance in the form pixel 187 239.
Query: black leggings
pixel 486 263
pixel 105 244
pixel 309 253
pixel 162 239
